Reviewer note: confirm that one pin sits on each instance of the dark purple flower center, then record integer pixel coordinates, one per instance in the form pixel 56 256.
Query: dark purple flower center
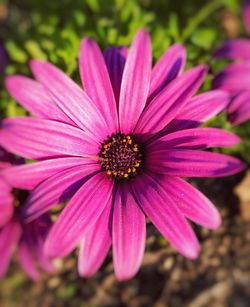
pixel 121 157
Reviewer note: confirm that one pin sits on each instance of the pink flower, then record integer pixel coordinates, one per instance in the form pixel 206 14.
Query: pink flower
pixel 14 233
pixel 235 78
pixel 117 152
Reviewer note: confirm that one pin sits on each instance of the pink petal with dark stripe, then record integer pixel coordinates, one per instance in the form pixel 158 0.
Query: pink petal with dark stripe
pixel 238 48
pixel 192 203
pixel 192 163
pixel 239 108
pixel 167 68
pixel 128 234
pixel 135 82
pixel 165 215
pixel 33 97
pixel 71 99
pixel 26 260
pixel 36 139
pixel 168 103
pixel 95 245
pixel 115 58
pixel 196 138
pixel 57 189
pixel 96 82
pixel 28 176
pixel 9 236
pixel 198 110
pixel 79 215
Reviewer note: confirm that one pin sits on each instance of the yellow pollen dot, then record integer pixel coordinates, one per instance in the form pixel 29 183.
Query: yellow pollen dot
pixel 135 149
pixel 134 170
pixel 137 164
pixel 125 175
pixel 129 170
pixel 109 172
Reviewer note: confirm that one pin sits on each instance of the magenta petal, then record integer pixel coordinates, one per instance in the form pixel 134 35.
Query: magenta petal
pixel 169 66
pixel 36 138
pixel 165 215
pixel 238 48
pixel 168 103
pixel 96 82
pixel 192 203
pixel 32 96
pixel 128 234
pixel 71 99
pixel 239 108
pixel 79 215
pixel 28 176
pixel 246 15
pixel 26 260
pixel 198 110
pixel 6 203
pixel 233 78
pixel 135 82
pixel 115 58
pixel 9 236
pixel 196 138
pixel 192 163
pixel 56 189
pixel 95 245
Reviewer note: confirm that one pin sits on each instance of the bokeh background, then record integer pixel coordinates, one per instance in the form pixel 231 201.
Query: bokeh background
pixel 52 30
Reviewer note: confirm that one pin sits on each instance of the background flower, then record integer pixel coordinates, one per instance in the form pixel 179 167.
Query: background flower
pixel 29 238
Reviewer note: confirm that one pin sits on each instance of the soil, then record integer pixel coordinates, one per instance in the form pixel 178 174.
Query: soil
pixel 220 277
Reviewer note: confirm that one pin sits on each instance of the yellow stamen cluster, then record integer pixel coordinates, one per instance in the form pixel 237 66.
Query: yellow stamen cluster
pixel 121 157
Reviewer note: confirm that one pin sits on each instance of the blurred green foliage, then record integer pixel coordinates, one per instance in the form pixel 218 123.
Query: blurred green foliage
pixel 52 30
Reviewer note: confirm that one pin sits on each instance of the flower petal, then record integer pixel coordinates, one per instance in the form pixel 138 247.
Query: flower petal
pixel 32 96
pixel 165 215
pixel 198 110
pixel 168 103
pixel 235 77
pixel 135 82
pixel 169 66
pixel 192 203
pixel 9 236
pixel 35 138
pixel 28 176
pixel 95 245
pixel 6 203
pixel 26 260
pixel 238 48
pixel 115 58
pixel 71 99
pixel 192 163
pixel 128 234
pixel 196 138
pixel 239 108
pixel 79 216
pixel 96 82
pixel 56 189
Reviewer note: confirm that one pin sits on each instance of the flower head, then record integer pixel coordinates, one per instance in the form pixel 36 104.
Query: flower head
pixel 14 233
pixel 235 78
pixel 117 151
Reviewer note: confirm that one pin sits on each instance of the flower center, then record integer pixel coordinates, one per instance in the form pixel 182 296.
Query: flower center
pixel 121 157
